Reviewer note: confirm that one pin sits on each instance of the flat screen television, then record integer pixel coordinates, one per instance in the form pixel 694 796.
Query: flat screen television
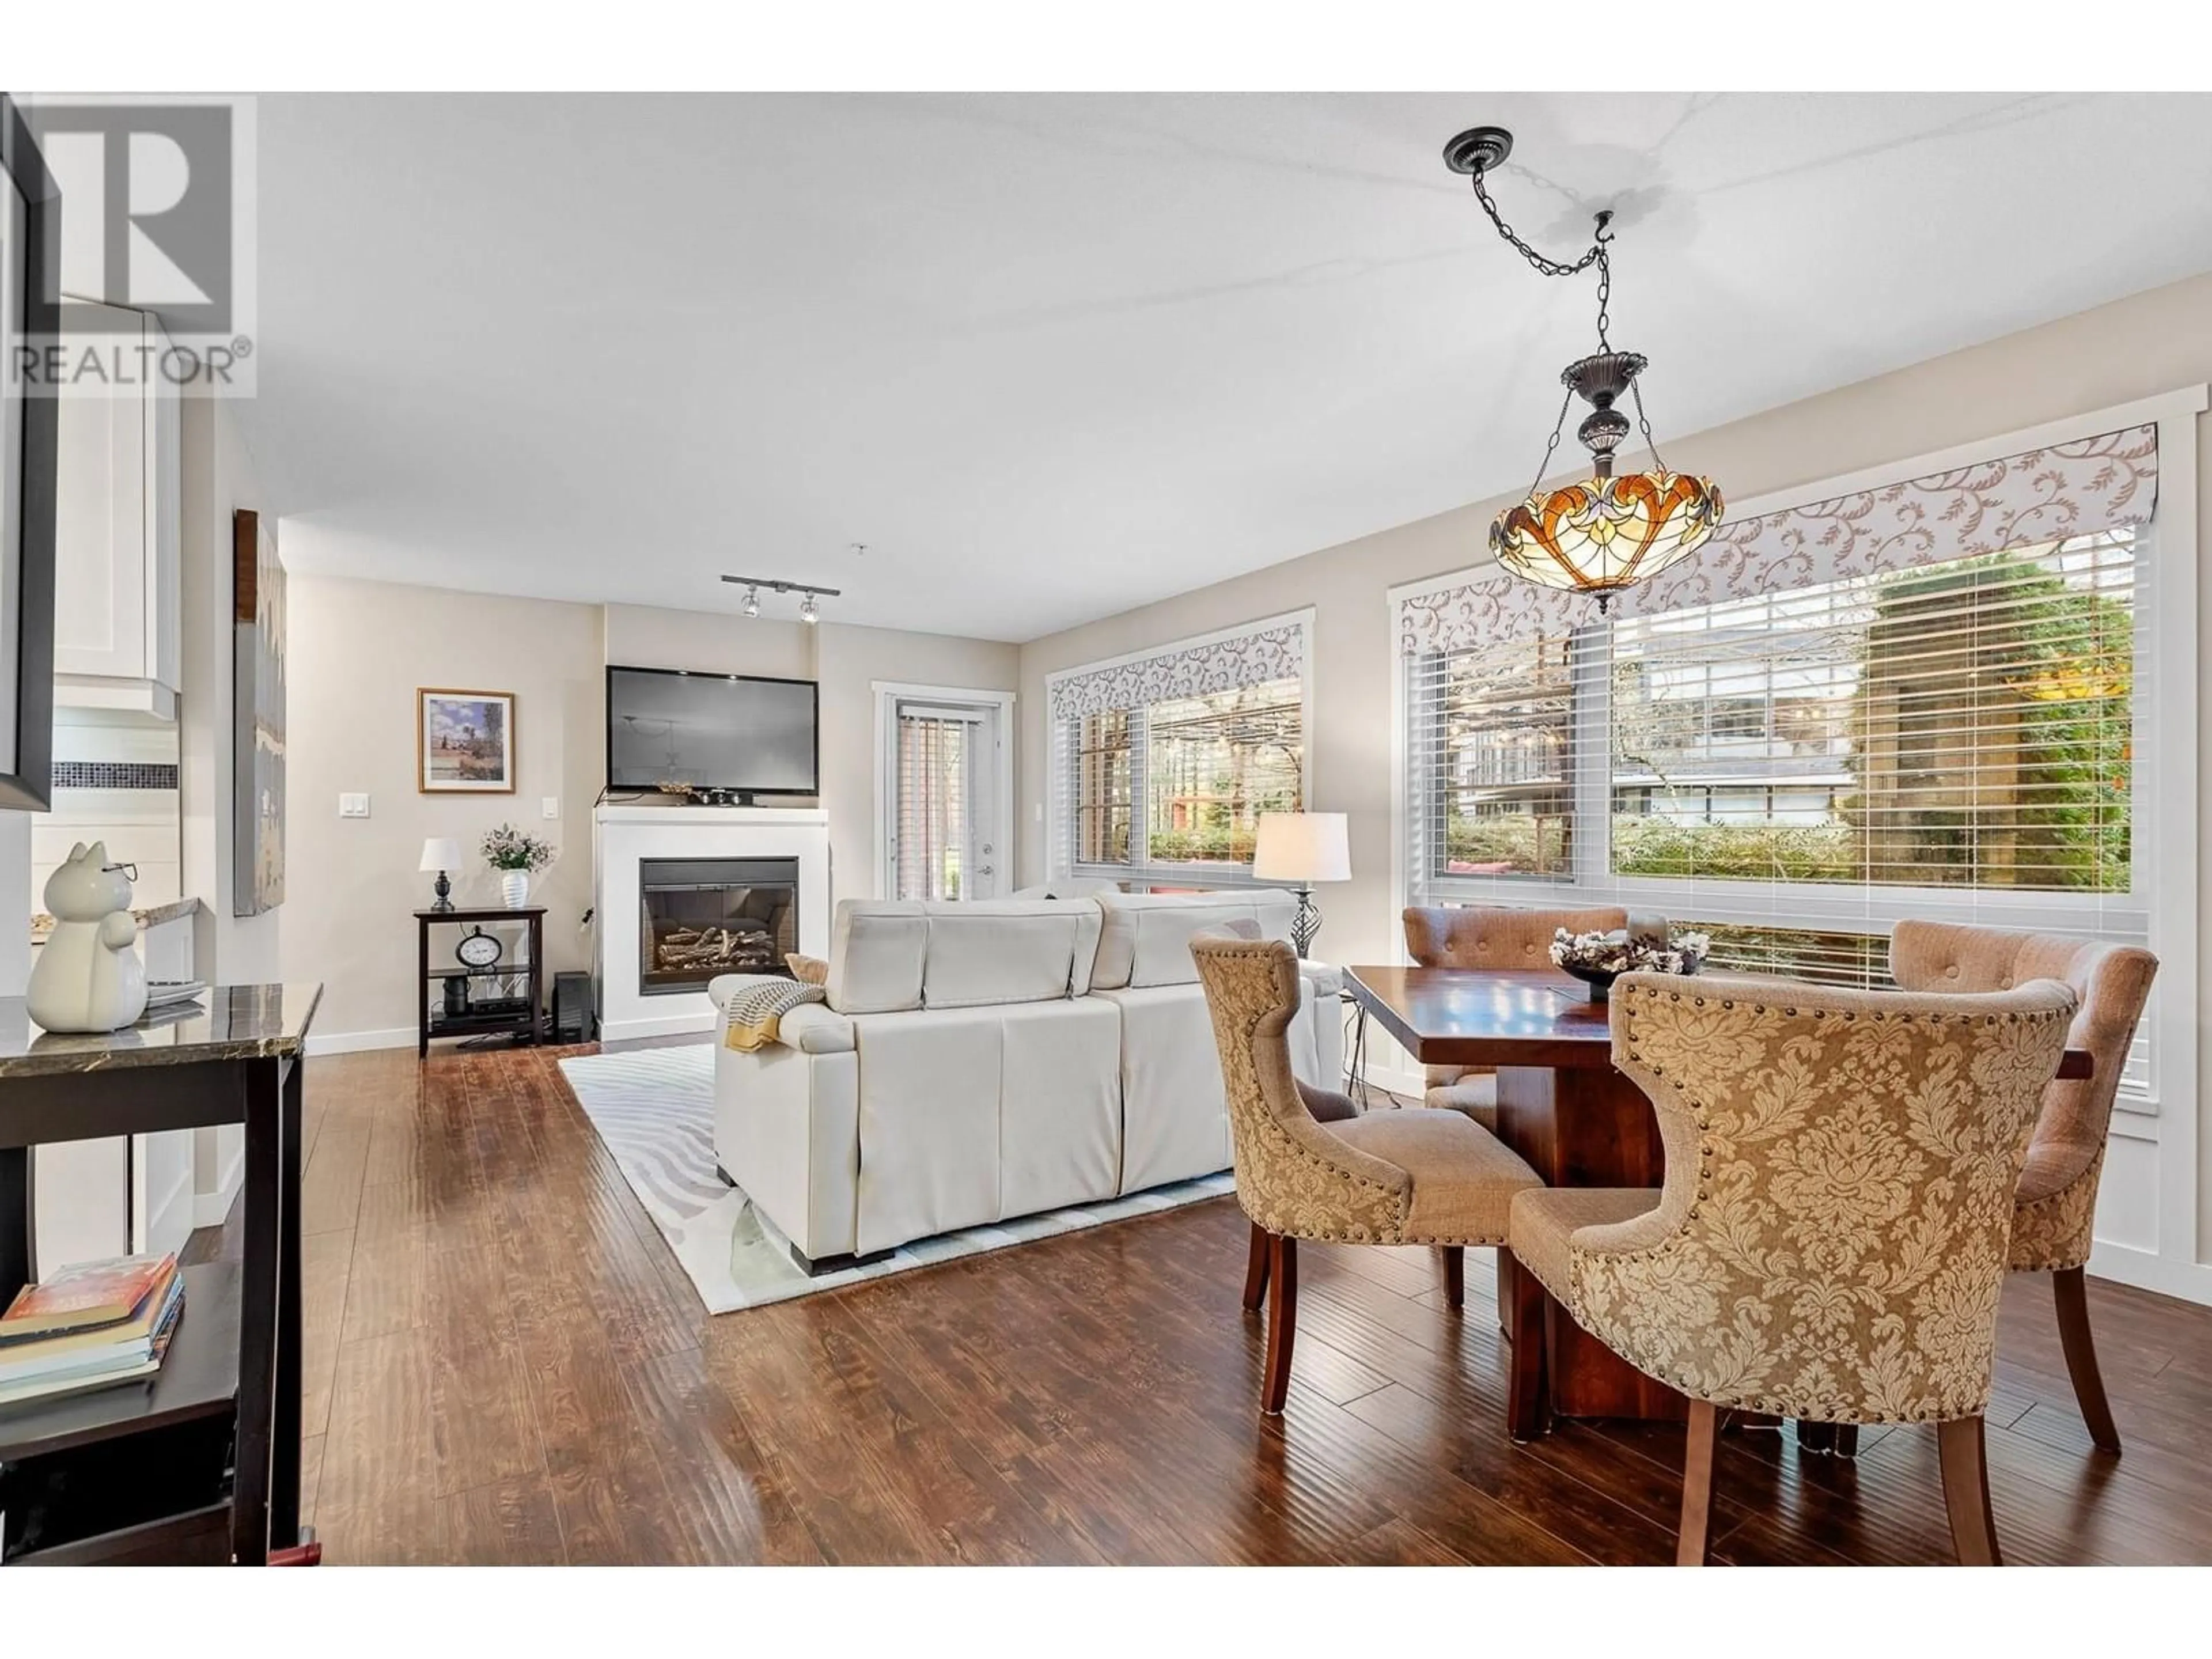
pixel 723 734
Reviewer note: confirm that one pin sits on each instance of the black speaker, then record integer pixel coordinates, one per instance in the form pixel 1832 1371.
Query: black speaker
pixel 574 1020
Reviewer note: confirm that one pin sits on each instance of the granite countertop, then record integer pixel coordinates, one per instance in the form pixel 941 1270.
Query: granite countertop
pixel 152 916
pixel 225 1022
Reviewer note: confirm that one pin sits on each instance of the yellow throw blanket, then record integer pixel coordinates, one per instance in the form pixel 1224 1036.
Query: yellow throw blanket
pixel 756 1014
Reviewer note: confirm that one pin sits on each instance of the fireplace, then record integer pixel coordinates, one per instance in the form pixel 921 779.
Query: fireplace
pixel 699 918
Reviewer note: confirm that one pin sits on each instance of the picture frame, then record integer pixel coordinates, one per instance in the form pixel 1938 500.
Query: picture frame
pixel 464 742
pixel 258 711
pixel 30 319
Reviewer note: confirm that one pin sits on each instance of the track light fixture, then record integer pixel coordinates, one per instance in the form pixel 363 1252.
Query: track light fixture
pixel 809 611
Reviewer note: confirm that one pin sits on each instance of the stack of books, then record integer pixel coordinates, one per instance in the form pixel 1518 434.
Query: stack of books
pixel 89 1326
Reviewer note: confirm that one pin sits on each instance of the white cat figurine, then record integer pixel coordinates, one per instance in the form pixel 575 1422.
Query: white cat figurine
pixel 89 976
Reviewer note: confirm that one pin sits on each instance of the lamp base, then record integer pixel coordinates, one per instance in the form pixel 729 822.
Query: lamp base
pixel 444 890
pixel 1305 924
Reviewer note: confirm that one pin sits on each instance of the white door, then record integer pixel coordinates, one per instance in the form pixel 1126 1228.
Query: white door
pixel 943 801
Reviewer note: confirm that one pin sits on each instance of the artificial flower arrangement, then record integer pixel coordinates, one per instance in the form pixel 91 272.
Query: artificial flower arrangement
pixel 1599 958
pixel 510 849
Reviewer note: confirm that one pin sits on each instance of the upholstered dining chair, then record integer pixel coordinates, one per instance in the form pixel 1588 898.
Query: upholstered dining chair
pixel 2056 1202
pixel 1831 1237
pixel 1408 1175
pixel 1495 937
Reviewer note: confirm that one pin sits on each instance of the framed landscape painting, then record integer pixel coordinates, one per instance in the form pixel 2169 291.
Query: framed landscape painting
pixel 464 742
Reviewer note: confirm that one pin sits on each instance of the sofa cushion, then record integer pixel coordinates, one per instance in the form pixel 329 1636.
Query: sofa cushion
pixel 998 951
pixel 1144 938
pixel 876 954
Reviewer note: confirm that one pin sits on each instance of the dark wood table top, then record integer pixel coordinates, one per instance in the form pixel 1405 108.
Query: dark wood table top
pixel 1484 1016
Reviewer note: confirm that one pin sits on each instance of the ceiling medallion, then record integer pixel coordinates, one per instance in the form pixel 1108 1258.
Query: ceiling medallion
pixel 1612 529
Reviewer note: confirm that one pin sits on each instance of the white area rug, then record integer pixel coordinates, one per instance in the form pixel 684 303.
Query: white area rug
pixel 654 1109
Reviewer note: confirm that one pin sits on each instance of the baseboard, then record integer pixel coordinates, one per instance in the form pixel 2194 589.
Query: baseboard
pixel 213 1209
pixel 348 1043
pixel 174 1215
pixel 626 1031
pixel 2146 1270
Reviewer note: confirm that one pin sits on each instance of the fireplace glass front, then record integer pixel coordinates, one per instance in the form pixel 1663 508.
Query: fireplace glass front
pixel 698 918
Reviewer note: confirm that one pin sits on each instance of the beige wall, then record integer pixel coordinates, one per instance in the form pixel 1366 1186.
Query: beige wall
pixel 2138 347
pixel 360 649
pixel 219 479
pixel 849 661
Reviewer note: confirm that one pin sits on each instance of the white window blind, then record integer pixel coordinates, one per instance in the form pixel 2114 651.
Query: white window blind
pixel 937 750
pixel 1163 763
pixel 1796 771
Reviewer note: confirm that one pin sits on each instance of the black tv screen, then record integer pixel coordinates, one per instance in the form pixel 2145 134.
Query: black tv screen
pixel 712 730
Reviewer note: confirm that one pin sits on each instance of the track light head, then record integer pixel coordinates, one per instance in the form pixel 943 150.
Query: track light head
pixel 751 606
pixel 808 611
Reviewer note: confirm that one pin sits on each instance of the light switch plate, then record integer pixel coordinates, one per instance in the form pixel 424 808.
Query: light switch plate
pixel 353 807
pixel 548 806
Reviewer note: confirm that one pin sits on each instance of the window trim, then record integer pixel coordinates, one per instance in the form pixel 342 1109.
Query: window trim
pixel 1060 829
pixel 2166 848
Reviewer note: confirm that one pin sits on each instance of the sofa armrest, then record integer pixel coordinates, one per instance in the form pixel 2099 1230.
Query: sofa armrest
pixel 723 987
pixel 1327 978
pixel 813 1027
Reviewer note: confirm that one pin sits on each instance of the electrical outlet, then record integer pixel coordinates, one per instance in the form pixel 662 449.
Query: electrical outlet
pixel 353 807
pixel 548 806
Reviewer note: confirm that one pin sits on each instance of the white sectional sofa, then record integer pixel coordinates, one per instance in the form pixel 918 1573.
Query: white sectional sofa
pixel 978 1061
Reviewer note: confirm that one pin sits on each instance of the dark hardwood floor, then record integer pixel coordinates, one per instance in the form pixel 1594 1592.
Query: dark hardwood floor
pixel 505 1363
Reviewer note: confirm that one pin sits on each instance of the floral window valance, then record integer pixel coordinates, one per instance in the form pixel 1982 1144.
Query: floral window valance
pixel 2075 489
pixel 1273 651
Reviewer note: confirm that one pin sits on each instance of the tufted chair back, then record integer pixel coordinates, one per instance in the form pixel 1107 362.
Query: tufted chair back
pixel 1493 936
pixel 1831 1239
pixel 1293 1177
pixel 2057 1193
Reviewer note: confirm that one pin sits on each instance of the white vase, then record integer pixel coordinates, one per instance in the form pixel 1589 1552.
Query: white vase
pixel 514 888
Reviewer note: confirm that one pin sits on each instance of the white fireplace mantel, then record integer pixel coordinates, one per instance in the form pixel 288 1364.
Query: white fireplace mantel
pixel 622 835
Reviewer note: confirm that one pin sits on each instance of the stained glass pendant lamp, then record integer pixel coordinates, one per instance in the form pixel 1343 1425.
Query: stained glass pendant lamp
pixel 1612 529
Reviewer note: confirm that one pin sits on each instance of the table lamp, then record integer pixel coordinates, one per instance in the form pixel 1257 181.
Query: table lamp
pixel 1298 850
pixel 441 854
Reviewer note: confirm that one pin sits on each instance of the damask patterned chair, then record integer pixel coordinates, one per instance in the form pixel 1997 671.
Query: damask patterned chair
pixel 2057 1200
pixel 1832 1235
pixel 1403 1176
pixel 1494 936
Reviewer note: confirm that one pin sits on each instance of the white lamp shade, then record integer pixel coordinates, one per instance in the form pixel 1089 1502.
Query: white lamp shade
pixel 1302 847
pixel 440 854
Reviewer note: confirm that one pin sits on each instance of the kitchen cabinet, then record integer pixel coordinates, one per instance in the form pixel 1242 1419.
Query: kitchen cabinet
pixel 118 637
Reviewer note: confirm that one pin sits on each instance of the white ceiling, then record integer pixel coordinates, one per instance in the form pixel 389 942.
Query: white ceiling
pixel 1053 356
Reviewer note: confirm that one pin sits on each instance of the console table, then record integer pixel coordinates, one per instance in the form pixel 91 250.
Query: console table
pixel 230 1385
pixel 520 1020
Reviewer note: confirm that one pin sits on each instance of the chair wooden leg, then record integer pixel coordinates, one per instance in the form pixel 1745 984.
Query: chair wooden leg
pixel 2070 1289
pixel 1966 1492
pixel 1847 1440
pixel 1282 1320
pixel 1527 1412
pixel 1255 1270
pixel 1696 1532
pixel 1455 1276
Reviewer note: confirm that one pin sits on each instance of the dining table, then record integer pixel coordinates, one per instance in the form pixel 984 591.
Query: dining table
pixel 1575 1120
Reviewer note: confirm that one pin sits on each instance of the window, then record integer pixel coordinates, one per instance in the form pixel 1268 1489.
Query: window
pixel 1795 772
pixel 1962 724
pixel 1164 764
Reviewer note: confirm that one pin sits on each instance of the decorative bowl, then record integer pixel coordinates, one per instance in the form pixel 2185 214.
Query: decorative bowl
pixel 1598 959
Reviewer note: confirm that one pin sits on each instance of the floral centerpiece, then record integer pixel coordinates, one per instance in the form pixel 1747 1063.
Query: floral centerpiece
pixel 1599 958
pixel 517 856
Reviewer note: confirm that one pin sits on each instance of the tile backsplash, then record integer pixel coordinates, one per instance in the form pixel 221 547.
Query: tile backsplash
pixel 116 784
